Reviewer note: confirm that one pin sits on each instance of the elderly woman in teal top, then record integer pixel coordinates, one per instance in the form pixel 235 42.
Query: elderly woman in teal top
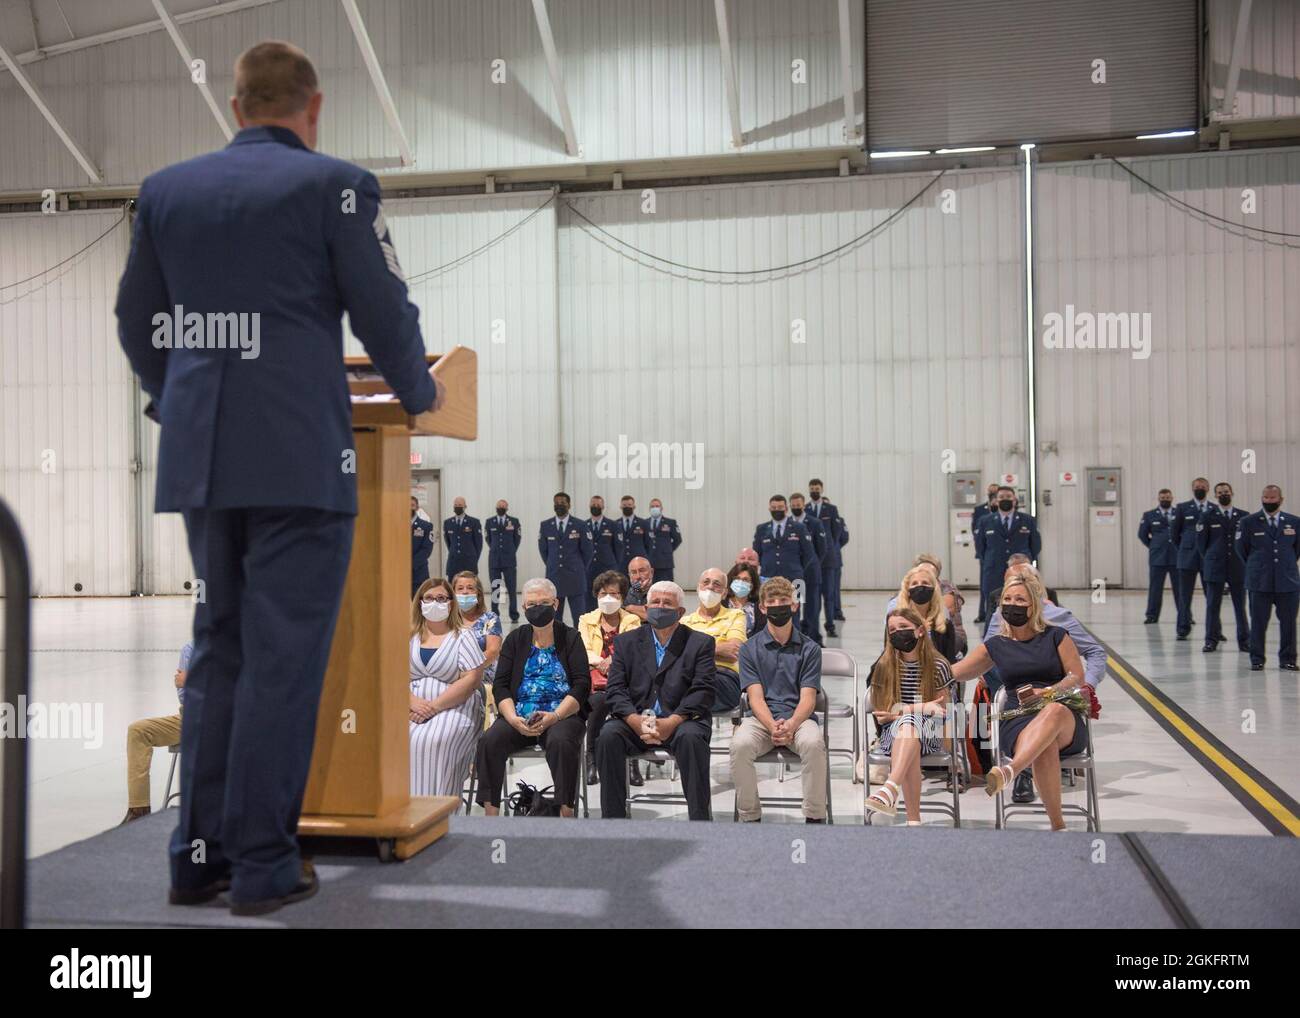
pixel 541 687
pixel 446 669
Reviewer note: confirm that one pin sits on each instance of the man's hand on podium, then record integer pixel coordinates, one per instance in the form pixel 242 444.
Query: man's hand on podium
pixel 441 399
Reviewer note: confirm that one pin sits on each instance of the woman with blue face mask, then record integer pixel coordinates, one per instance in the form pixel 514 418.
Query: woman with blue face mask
pixel 742 593
pixel 484 623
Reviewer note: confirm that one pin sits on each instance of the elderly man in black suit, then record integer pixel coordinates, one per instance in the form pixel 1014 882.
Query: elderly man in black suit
pixel 659 693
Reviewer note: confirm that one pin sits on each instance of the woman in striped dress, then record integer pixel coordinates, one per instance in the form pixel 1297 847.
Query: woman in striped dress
pixel 909 697
pixel 446 692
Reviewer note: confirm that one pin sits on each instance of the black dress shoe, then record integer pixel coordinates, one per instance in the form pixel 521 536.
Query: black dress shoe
pixel 1183 636
pixel 593 776
pixel 307 886
pixel 1244 648
pixel 1256 668
pixel 198 895
pixel 810 820
pixel 830 631
pixel 635 777
pixel 1024 788
pixel 1289 666
pixel 839 617
pixel 1210 647
pixel 1149 621
pixel 134 813
pixel 979 619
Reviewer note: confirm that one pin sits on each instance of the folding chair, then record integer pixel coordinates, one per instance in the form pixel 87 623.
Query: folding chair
pixel 1085 760
pixel 840 664
pixel 785 755
pixel 658 755
pixel 168 795
pixel 948 760
pixel 534 752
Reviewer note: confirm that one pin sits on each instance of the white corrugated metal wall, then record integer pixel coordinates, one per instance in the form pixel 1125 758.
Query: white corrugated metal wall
pixel 1224 369
pixel 912 347
pixel 1269 85
pixel 65 400
pixel 644 80
pixel 502 304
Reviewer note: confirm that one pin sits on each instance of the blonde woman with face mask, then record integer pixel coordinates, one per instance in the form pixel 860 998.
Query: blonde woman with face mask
pixel 920 592
pixel 446 674
pixel 598 629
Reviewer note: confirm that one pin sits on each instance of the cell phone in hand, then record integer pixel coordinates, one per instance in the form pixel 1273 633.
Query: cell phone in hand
pixel 534 719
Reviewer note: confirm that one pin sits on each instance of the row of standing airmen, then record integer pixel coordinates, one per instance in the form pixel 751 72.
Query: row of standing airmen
pixel 802 542
pixel 1254 555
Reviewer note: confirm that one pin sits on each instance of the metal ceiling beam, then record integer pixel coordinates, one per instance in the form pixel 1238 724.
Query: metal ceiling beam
pixel 1238 53
pixel 557 79
pixel 377 77
pixel 35 95
pixel 729 73
pixel 846 72
pixel 36 33
pixel 188 58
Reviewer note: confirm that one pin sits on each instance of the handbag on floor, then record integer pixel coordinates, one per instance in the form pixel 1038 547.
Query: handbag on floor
pixel 529 801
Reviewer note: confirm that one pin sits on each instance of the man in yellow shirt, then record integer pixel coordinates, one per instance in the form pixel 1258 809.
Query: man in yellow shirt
pixel 727 627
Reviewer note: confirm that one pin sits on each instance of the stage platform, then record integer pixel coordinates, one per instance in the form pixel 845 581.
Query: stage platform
pixel 510 873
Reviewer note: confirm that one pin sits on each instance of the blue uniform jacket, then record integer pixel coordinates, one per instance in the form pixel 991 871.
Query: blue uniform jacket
pixel 636 542
pixel 607 546
pixel 1216 544
pixel 463 536
pixel 792 557
pixel 664 539
pixel 1186 517
pixel 829 516
pixel 1155 533
pixel 503 537
pixel 1270 553
pixel 820 542
pixel 263 226
pixel 566 555
pixel 421 543
pixel 996 545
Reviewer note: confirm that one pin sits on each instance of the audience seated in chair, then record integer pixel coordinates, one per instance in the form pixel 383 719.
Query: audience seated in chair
pixel 542 687
pixel 780 669
pixel 660 694
pixel 1037 662
pixel 446 676
pixel 598 628
pixel 920 591
pixel 728 627
pixel 146 735
pixel 910 684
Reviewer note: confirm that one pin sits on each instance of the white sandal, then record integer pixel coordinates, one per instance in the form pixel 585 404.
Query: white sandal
pixel 884 800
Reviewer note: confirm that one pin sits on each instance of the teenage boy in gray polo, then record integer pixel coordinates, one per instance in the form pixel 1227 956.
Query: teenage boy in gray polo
pixel 780 670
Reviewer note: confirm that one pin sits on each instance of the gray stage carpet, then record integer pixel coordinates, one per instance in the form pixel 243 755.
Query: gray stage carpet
pixel 523 873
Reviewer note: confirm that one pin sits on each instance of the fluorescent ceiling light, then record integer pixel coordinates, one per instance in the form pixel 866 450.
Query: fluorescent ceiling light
pixel 1027 146
pixel 901 154
pixel 1165 134
pixel 959 151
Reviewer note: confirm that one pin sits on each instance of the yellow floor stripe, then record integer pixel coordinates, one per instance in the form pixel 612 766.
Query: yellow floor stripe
pixel 1251 787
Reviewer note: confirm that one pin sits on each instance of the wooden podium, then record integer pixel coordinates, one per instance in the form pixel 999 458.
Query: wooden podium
pixel 359 784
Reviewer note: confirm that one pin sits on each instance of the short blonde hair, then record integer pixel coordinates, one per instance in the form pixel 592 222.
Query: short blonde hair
pixel 274 79
pixel 1035 591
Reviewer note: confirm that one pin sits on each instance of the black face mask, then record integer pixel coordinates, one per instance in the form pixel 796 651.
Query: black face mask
pixel 796 512
pixel 1166 503
pixel 596 510
pixel 778 515
pixel 540 614
pixel 816 495
pixel 1005 505
pixel 561 509
pixel 1225 500
pixel 1271 507
pixel 500 511
pixel 459 510
pixel 1015 614
pixel 920 595
pixel 779 614
pixel 1200 493
pixel 903 639
pixel 628 510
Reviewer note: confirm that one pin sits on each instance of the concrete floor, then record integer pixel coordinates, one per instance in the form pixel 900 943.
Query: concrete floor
pixel 118 655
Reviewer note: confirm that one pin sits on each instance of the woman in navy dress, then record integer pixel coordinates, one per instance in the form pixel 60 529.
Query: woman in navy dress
pixel 1029 651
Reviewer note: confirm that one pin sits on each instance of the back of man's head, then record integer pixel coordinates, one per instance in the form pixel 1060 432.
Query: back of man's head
pixel 274 81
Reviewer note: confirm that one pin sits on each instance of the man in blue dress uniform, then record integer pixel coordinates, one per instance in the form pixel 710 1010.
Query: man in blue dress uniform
pixel 607 547
pixel 784 549
pixel 810 623
pixel 1188 517
pixel 503 537
pixel 242 264
pixel 664 540
pixel 633 532
pixel 463 536
pixel 1003 532
pixel 1269 543
pixel 828 515
pixel 421 546
pixel 1156 534
pixel 1220 565
pixel 566 549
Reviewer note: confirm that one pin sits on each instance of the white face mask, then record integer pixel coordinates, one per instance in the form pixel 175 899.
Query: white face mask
pixel 435 611
pixel 609 604
pixel 709 598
